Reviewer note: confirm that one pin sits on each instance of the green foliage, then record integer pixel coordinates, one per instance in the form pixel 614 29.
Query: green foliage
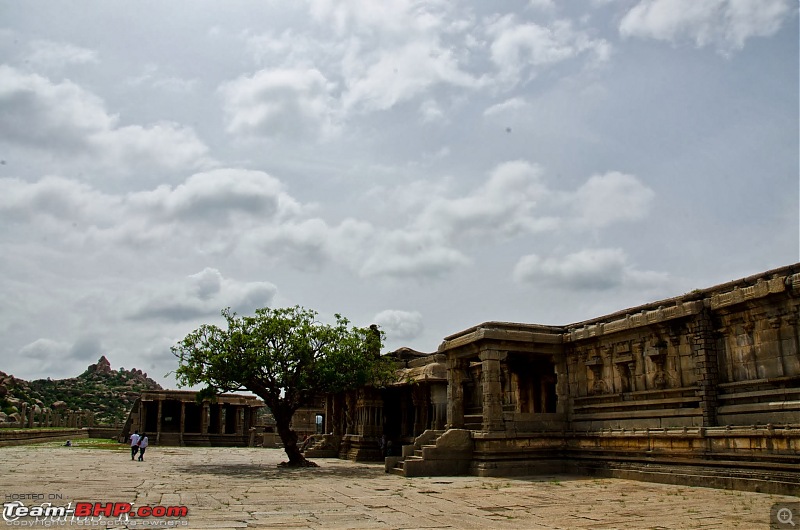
pixel 285 356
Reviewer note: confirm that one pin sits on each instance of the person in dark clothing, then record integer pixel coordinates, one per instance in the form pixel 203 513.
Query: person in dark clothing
pixel 143 443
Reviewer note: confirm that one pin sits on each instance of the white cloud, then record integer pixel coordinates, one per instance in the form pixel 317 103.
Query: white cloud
pixel 45 357
pixel 366 250
pixel 394 52
pixel 504 206
pixel 726 24
pixel 593 269
pixel 222 210
pixel 202 294
pixel 522 49
pixel 45 349
pixel 609 198
pixel 203 209
pixel 294 103
pixel 52 55
pixel 401 17
pixel 399 74
pixel 289 49
pixel 431 111
pixel 72 122
pixel 402 254
pixel 152 77
pixel 542 5
pixel 304 244
pixel 218 196
pixel 508 106
pixel 57 203
pixel 205 284
pixel 400 325
pixel 514 201
pixel 59 116
pixel 167 145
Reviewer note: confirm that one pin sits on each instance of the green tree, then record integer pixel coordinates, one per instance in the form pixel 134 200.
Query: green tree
pixel 285 357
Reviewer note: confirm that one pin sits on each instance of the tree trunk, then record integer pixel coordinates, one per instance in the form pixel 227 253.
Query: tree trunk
pixel 289 439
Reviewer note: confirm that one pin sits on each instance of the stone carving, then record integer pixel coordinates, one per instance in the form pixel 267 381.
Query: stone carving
pixel 595 365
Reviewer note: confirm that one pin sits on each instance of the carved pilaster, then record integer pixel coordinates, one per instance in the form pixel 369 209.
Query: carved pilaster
pixel 706 362
pixel 182 427
pixel 420 400
pixel 492 390
pixel 657 353
pixel 455 393
pixel 624 364
pixel 595 365
pixel 205 418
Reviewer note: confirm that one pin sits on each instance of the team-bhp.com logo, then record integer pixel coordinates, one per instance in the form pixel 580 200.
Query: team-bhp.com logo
pixel 89 514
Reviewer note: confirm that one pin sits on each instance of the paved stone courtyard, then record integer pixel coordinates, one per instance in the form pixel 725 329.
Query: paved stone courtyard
pixel 243 488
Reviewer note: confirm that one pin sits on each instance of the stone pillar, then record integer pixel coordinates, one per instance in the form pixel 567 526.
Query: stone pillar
pixel 492 390
pixel 420 409
pixel 158 419
pixel 23 414
pixel 405 429
pixel 205 418
pixel 142 416
pixel 439 400
pixel 455 393
pixel 350 413
pixel 637 367
pixel 31 412
pixel 253 421
pixel 704 352
pixel 239 420
pixel 220 419
pixel 182 423
pixel 336 414
pixel 328 421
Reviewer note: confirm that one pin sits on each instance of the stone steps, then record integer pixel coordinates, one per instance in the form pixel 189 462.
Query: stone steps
pixel 447 455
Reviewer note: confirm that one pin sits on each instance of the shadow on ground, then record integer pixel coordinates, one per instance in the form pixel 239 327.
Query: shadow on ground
pixel 273 472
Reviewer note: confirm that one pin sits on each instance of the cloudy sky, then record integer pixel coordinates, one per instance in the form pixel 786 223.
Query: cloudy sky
pixel 423 165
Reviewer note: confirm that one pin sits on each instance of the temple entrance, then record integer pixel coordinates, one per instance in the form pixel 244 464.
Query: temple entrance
pixel 535 380
pixel 319 421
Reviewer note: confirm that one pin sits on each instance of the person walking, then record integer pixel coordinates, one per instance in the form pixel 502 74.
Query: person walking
pixel 143 443
pixel 134 444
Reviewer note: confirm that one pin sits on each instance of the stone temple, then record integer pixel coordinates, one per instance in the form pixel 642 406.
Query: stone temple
pixel 700 389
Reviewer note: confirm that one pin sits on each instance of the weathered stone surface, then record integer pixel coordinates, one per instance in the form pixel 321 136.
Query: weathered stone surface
pixel 455 440
pixel 224 489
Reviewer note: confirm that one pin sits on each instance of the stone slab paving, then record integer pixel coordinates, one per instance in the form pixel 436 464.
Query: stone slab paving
pixel 226 488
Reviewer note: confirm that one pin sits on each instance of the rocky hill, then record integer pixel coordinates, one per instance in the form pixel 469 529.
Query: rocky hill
pixel 106 392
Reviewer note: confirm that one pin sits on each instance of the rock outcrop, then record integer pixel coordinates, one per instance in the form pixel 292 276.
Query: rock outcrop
pixel 101 390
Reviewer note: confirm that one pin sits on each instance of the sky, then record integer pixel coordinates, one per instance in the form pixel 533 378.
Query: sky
pixel 423 165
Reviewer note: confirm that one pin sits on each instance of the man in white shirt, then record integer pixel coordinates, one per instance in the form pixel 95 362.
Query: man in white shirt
pixel 134 444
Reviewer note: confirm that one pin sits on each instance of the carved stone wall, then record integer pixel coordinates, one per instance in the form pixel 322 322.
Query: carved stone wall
pixel 699 389
pixel 726 355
